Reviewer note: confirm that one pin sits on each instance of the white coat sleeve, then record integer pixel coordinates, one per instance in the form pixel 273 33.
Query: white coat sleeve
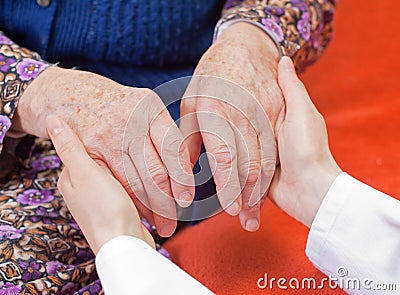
pixel 355 238
pixel 128 265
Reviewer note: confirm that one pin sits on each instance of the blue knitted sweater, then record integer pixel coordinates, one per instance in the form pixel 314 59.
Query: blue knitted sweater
pixel 136 42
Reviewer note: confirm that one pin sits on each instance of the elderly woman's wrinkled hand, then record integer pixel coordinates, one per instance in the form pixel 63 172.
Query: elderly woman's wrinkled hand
pixel 127 130
pixel 234 105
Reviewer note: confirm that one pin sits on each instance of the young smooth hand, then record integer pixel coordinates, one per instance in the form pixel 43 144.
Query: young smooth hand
pixel 307 168
pixel 96 200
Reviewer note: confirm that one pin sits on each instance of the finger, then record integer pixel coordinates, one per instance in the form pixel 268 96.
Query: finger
pixel 269 154
pixel 294 92
pixel 174 153
pixel 157 186
pixel 69 147
pixel 189 128
pixel 250 217
pixel 219 141
pixel 249 166
pixel 133 185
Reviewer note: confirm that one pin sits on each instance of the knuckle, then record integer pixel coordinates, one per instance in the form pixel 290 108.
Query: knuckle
pixel 253 169
pixel 158 174
pixel 67 146
pixel 133 185
pixel 268 166
pixel 210 104
pixel 186 169
pixel 172 145
pixel 224 155
pixel 243 123
pixel 148 93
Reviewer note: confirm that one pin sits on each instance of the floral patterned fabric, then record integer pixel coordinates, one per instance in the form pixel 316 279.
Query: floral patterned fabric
pixel 18 67
pixel 42 249
pixel 301 28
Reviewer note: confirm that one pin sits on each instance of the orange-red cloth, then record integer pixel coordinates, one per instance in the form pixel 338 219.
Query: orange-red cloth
pixel 356 86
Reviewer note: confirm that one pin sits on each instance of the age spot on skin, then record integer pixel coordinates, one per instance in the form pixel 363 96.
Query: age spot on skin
pixel 98 92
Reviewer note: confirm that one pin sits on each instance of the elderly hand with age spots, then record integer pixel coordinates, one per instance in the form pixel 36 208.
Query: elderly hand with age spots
pixel 125 129
pixel 234 106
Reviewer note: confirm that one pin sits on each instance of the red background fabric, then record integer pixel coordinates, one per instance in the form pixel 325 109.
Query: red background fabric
pixel 356 87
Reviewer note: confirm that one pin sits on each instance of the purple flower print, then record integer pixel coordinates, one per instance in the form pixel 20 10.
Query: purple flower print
pixel 31 271
pixel 49 162
pixel 5 124
pixel 229 4
pixel 74 225
pixel 10 232
pixel 164 253
pixel 42 214
pixel 4 40
pixel 52 267
pixel 301 4
pixel 273 28
pixel 274 10
pixel 93 288
pixel 84 255
pixel 35 197
pixel 5 63
pixel 317 40
pixel 69 288
pixel 9 289
pixel 29 68
pixel 304 26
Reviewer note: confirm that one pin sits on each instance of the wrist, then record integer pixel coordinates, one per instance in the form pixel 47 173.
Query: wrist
pixel 31 105
pixel 75 96
pixel 253 38
pixel 263 52
pixel 315 187
pixel 116 228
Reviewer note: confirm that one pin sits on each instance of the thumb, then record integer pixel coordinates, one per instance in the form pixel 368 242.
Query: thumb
pixel 68 146
pixel 294 92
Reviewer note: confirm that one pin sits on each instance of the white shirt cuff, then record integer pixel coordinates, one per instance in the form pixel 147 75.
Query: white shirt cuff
pixel 128 265
pixel 356 235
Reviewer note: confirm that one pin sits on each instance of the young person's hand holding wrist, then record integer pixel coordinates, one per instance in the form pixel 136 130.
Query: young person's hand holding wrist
pixel 307 168
pixel 96 200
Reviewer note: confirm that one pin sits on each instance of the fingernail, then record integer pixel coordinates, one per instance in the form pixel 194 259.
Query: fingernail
pixel 234 208
pixel 54 125
pixel 252 224
pixel 186 197
pixel 167 230
pixel 288 64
